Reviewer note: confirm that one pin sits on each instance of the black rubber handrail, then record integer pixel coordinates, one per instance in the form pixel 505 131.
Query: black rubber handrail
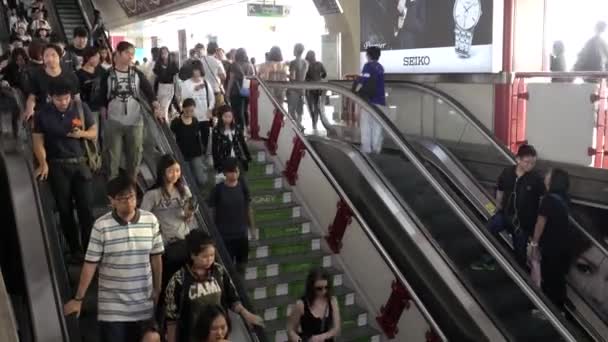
pixel 5 30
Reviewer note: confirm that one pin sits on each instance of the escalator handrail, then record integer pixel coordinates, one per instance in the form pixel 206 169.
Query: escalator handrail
pixel 46 240
pixel 404 146
pixel 5 30
pixel 368 231
pixel 485 132
pixel 168 145
pixel 87 8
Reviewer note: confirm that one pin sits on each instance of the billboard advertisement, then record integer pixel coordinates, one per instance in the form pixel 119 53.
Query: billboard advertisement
pixel 434 36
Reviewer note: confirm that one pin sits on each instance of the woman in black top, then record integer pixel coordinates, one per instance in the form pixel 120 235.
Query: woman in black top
pixel 316 316
pixel 165 70
pixel 13 71
pixel 552 236
pixel 316 73
pixel 228 141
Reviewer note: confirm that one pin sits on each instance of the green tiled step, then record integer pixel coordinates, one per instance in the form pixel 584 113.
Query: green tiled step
pixel 292 284
pixel 265 182
pixel 284 246
pixel 276 212
pixel 353 318
pixel 290 227
pixel 359 334
pixel 257 169
pixel 271 196
pixel 277 266
pixel 278 307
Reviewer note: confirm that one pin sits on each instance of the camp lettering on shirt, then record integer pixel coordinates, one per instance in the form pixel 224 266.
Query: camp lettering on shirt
pixel 123 250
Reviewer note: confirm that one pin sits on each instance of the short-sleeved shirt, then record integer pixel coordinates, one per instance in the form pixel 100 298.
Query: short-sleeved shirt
pixel 40 82
pixel 297 70
pixel 186 296
pixel 122 250
pixel 77 55
pixel 169 210
pixel 556 235
pixel 231 209
pixel 188 138
pixel 374 70
pixel 89 84
pixel 55 126
pixel 213 69
pixel 521 193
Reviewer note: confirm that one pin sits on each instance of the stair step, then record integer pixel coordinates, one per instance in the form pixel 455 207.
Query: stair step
pixel 260 169
pixel 271 196
pixel 279 265
pixel 277 212
pixel 359 334
pixel 284 246
pixel 291 227
pixel 291 284
pixel 279 307
pixel 264 182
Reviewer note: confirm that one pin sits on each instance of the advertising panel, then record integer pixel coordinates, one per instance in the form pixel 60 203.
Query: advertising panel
pixel 434 36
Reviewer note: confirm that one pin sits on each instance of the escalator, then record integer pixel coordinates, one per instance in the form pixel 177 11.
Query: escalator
pixel 443 216
pixel 64 16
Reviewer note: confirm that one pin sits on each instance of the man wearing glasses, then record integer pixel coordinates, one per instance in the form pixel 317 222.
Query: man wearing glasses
pixel 127 247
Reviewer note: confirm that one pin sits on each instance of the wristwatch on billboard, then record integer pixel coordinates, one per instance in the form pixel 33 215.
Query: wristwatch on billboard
pixel 466 17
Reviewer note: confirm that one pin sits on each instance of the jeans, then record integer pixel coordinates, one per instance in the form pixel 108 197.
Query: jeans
pixel 120 331
pixel 295 104
pixel 204 127
pixel 371 133
pixel 239 106
pixel 197 166
pixel 520 245
pixel 239 253
pixel 121 139
pixel 71 183
pixel 313 98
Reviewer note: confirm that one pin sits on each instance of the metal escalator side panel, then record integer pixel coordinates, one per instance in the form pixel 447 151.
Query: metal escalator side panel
pixel 458 314
pixel 8 324
pixel 45 302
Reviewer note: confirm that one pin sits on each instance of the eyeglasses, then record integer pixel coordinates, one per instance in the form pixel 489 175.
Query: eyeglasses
pixel 321 288
pixel 124 199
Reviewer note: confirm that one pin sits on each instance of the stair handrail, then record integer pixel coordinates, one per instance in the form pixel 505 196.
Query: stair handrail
pixel 404 146
pixel 168 145
pixel 485 132
pixel 368 231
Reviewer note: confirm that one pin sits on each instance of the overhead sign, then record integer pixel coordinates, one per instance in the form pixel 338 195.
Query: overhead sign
pixel 434 36
pixel 327 7
pixel 264 10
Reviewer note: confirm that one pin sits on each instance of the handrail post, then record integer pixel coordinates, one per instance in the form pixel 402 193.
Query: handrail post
pixel 343 218
pixel 398 301
pixel 273 135
pixel 254 119
pixel 297 153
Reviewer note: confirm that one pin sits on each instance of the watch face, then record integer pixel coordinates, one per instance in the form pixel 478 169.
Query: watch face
pixel 467 13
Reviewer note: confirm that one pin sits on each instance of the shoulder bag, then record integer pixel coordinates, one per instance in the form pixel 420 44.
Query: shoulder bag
pixel 93 158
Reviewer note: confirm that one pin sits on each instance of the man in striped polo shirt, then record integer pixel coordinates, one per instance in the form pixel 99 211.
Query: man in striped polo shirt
pixel 127 246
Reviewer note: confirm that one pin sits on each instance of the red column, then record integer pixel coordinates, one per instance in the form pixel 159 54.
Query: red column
pixel 502 92
pixel 336 230
pixel 431 336
pixel 397 302
pixel 275 130
pixel 297 153
pixel 254 122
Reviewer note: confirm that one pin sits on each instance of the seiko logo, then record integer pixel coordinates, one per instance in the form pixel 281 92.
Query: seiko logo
pixel 416 60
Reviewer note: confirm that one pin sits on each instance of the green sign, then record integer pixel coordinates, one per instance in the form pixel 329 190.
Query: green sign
pixel 263 10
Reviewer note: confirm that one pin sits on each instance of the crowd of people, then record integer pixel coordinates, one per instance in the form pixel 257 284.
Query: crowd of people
pixel 156 268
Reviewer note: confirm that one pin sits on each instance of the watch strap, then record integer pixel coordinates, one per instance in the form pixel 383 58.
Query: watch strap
pixel 463 41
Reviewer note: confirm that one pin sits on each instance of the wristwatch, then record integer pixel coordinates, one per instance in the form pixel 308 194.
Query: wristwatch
pixel 466 17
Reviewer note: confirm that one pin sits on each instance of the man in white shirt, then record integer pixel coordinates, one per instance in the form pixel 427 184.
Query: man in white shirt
pixel 215 74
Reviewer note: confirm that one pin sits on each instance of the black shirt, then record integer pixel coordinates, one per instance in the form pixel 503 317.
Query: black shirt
pixel 39 84
pixel 525 199
pixel 77 54
pixel 90 83
pixel 165 72
pixel 556 236
pixel 55 126
pixel 188 138
pixel 231 209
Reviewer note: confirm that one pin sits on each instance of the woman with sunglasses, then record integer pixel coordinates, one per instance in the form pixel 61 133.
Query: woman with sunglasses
pixel 316 316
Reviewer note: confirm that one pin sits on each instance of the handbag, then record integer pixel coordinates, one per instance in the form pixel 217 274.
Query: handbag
pixel 93 158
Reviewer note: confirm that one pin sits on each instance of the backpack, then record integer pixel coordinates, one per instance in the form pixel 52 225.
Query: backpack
pixel 113 86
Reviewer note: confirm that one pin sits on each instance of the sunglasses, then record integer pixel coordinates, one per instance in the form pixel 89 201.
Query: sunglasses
pixel 321 288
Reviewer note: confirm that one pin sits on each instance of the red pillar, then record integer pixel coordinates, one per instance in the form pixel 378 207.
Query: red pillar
pixel 254 122
pixel 397 302
pixel 275 130
pixel 503 92
pixel 297 153
pixel 336 230
pixel 431 336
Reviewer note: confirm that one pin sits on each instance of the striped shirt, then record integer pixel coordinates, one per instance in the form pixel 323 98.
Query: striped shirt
pixel 123 251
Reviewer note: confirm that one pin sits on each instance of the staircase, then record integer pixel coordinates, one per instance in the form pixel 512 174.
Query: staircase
pixel 70 16
pixel 287 249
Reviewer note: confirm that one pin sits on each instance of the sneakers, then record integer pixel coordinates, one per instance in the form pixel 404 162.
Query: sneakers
pixel 484 265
